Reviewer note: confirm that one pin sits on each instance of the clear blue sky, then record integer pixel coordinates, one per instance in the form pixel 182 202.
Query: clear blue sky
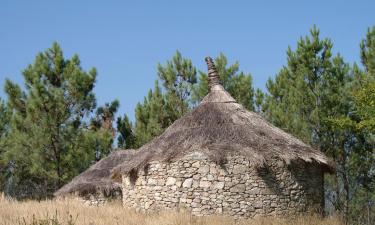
pixel 125 40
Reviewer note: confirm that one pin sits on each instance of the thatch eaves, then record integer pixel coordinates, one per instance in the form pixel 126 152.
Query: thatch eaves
pixel 97 177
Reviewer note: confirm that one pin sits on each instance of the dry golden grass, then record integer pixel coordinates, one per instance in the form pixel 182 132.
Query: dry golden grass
pixel 71 211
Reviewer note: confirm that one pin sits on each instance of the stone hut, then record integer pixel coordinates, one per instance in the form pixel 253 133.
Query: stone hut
pixel 222 159
pixel 95 186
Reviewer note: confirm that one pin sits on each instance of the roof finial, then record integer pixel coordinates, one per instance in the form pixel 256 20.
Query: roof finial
pixel 213 76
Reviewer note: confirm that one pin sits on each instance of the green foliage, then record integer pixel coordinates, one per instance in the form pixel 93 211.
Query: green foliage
pixel 259 100
pixel 126 138
pixel 305 94
pixel 320 99
pixel 360 124
pixel 105 116
pixel 178 77
pixel 364 99
pixel 151 116
pixel 160 109
pixel 368 52
pixel 4 131
pixel 298 92
pixel 48 136
pixel 101 134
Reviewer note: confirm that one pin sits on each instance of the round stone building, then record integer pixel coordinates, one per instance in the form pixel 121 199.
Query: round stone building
pixel 222 159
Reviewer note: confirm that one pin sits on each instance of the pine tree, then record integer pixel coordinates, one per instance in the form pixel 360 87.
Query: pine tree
pixel 178 77
pixel 47 138
pixel 4 131
pixel 105 116
pixel 360 123
pixel 4 125
pixel 151 116
pixel 305 95
pixel 368 52
pixel 126 138
pixel 259 101
pixel 102 130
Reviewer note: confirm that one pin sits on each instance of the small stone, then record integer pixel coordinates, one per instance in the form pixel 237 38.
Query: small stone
pixel 161 182
pixel 187 183
pixel 239 188
pixel 195 184
pixel 170 181
pixel 148 204
pixel 210 177
pixel 151 182
pixel 203 170
pixel 239 169
pixel 196 164
pixel 197 200
pixel 178 183
pixel 267 191
pixel 219 185
pixel 204 184
pixel 213 170
pixel 258 205
pixel 253 191
pixel 195 205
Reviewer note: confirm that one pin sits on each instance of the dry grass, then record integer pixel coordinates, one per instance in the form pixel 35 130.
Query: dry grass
pixel 71 211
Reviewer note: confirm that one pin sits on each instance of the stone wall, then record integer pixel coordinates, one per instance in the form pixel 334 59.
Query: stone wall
pixel 100 198
pixel 235 188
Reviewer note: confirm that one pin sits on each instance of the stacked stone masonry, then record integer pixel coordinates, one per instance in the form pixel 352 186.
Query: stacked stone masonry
pixel 99 198
pixel 235 188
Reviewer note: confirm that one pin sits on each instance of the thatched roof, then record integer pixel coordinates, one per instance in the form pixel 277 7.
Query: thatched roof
pixel 219 127
pixel 97 177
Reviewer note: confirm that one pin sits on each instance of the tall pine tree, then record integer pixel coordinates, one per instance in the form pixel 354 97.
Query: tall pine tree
pixel 360 123
pixel 305 94
pixel 4 131
pixel 47 138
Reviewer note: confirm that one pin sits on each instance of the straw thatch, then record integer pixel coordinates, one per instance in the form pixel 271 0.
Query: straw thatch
pixel 97 177
pixel 220 127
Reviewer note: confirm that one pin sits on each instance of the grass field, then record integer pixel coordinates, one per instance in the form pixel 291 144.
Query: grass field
pixel 73 212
